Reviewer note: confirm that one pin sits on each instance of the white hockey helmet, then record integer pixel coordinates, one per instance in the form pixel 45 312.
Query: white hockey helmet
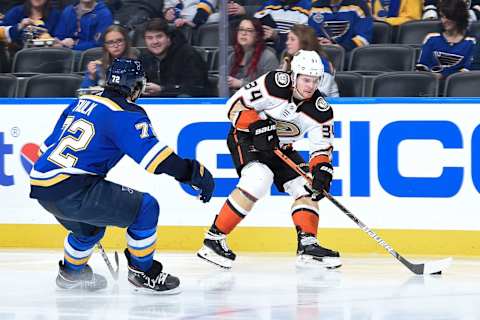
pixel 307 63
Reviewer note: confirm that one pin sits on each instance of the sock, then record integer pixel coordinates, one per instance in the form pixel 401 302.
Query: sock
pixel 141 246
pixel 77 250
pixel 305 219
pixel 229 216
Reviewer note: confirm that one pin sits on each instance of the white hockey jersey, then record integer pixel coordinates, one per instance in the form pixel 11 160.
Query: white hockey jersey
pixel 271 96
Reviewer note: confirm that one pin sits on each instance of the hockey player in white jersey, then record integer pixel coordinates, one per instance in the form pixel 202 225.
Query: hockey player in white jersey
pixel 272 112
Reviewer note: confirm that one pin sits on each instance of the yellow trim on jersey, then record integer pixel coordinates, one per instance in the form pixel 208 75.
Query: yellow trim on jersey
pixel 358 42
pixel 161 156
pixel 204 7
pixel 49 182
pixel 143 252
pixel 74 261
pixel 107 102
pixel 272 7
pixel 321 10
pixel 302 10
pixel 357 9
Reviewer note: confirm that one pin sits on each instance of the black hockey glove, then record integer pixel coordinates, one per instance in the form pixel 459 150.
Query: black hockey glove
pixel 322 178
pixel 201 179
pixel 264 134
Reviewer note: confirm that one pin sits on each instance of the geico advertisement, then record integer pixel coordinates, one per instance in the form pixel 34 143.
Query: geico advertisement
pixel 399 166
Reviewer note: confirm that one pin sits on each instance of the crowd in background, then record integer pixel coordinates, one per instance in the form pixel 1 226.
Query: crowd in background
pixel 264 36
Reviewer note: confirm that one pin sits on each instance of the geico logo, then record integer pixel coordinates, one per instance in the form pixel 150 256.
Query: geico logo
pixel 265 129
pixel 359 147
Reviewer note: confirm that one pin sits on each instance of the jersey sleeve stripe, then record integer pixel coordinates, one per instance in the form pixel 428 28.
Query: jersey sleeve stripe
pixel 151 154
pixel 161 156
pixel 49 182
pixel 106 102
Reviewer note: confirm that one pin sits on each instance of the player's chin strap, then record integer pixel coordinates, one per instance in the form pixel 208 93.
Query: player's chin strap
pixel 433 267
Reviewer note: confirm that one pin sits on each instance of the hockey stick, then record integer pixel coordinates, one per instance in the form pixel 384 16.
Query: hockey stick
pixel 114 273
pixel 433 267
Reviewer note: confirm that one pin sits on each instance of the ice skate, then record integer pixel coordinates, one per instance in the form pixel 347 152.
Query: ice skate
pixel 216 251
pixel 153 281
pixel 83 279
pixel 309 252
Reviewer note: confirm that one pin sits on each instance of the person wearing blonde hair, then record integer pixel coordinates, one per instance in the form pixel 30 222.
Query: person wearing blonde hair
pixel 303 37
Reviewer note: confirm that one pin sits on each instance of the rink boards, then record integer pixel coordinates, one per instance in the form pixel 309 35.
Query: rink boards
pixel 408 168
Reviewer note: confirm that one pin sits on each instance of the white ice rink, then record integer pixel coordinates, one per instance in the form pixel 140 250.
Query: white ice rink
pixel 258 287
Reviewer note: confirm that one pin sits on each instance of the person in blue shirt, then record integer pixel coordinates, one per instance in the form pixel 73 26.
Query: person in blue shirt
pixel 91 136
pixel 450 51
pixel 81 26
pixel 37 13
pixel 344 22
pixel 116 44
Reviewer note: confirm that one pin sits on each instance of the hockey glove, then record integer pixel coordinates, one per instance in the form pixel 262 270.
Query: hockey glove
pixel 322 178
pixel 264 134
pixel 201 179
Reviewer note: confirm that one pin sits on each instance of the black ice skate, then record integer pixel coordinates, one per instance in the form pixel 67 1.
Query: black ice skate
pixel 83 279
pixel 215 249
pixel 153 281
pixel 309 252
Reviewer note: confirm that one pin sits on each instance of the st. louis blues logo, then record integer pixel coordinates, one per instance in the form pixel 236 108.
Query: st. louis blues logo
pixel 447 60
pixel 336 29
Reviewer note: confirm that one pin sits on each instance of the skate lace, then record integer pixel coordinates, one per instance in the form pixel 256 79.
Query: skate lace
pixel 308 240
pixel 159 279
pixel 220 238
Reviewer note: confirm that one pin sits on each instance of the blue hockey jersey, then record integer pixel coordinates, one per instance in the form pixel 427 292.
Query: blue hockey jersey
pixel 349 24
pixel 285 15
pixel 438 55
pixel 91 136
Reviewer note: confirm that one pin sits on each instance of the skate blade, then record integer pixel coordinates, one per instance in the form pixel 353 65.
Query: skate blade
pixel 209 255
pixel 146 291
pixel 304 260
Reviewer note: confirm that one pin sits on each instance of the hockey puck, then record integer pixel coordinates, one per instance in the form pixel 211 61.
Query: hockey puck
pixel 438 272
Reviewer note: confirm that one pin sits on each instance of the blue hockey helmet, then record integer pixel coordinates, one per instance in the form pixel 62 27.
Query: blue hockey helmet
pixel 126 76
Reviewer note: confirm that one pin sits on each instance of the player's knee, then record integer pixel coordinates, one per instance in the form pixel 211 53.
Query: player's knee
pixel 296 188
pixel 256 179
pixel 147 216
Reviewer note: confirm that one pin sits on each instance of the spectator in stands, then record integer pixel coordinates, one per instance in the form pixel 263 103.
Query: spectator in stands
pixel 81 26
pixel 278 16
pixel 302 37
pixel 115 45
pixel 396 12
pixel 193 13
pixel 37 13
pixel 430 10
pixel 241 8
pixel 172 66
pixel 450 51
pixel 344 22
pixel 250 58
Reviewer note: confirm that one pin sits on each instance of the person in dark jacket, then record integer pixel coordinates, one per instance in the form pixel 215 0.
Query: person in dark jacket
pixel 94 17
pixel 172 66
pixel 33 12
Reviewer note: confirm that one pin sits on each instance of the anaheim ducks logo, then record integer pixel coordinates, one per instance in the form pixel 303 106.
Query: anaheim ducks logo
pixel 287 129
pixel 321 104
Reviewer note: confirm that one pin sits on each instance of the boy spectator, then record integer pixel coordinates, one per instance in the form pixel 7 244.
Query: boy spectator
pixel 172 66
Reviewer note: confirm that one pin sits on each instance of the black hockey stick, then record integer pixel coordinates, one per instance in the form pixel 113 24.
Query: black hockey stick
pixel 107 261
pixel 433 267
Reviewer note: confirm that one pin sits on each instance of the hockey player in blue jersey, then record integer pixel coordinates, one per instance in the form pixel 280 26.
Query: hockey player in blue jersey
pixel 68 180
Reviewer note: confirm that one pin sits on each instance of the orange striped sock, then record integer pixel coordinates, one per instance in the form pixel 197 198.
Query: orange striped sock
pixel 306 220
pixel 228 218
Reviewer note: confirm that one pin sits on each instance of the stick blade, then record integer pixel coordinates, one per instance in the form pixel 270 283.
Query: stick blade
pixel 437 267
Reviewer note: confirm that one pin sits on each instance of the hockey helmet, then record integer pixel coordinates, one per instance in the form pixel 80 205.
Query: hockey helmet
pixel 307 63
pixel 126 76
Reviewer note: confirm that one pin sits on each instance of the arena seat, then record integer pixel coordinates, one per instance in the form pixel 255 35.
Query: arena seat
pixel 336 54
pixel 462 84
pixel 414 32
pixel 382 57
pixel 43 60
pixel 87 56
pixel 405 84
pixel 382 32
pixel 350 84
pixel 8 86
pixel 53 85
